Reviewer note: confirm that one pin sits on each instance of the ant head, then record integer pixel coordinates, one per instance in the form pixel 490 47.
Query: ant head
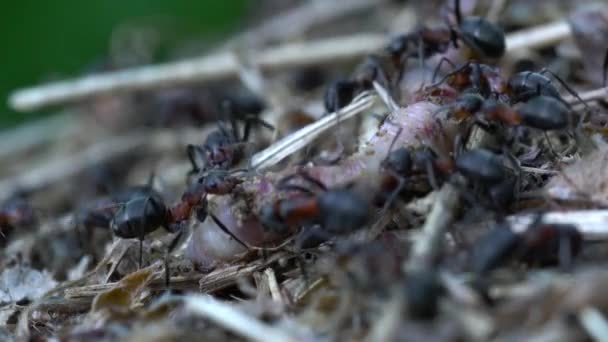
pixel 399 160
pixel 270 220
pixel 483 37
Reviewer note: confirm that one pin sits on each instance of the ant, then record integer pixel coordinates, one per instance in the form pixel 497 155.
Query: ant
pixel 541 112
pixel 341 92
pixel 403 163
pixel 526 85
pixel 338 211
pixel 140 210
pixel 224 147
pixel 474 76
pixel 423 291
pixel 484 39
pixel 541 244
pixel 487 172
pixel 16 212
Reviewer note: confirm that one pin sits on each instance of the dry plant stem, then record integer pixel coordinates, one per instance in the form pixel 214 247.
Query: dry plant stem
pixel 591 223
pixel 594 323
pixel 427 246
pixel 197 70
pixel 588 96
pixel 224 65
pixel 273 286
pixel 539 36
pixel 232 319
pixel 299 139
pixel 36 133
pixel 297 21
pixel 61 168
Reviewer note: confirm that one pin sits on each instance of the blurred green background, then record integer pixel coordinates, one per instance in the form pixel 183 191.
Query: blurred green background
pixel 45 40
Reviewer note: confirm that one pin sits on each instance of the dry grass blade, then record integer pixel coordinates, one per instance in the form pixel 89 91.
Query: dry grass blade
pixel 224 65
pixel 229 317
pixel 591 223
pixel 299 139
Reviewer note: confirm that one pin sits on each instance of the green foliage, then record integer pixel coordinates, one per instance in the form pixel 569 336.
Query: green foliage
pixel 43 40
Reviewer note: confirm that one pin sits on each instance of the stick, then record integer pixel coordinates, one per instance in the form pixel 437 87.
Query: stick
pixel 590 223
pixel 229 317
pixel 214 67
pixel 426 247
pixel 591 95
pixel 302 137
pixel 223 65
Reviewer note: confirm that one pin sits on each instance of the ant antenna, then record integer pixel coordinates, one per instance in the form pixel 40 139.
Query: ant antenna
pixel 457 11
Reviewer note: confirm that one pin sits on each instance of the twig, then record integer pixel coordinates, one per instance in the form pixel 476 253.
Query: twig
pixel 591 223
pixel 588 96
pixel 223 65
pixel 196 70
pixel 299 20
pixel 299 139
pixel 274 287
pixel 59 168
pixel 229 317
pixel 539 36
pixel 426 247
pixel 594 323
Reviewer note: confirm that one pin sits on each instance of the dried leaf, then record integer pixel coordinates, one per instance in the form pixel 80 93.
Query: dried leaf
pixel 121 297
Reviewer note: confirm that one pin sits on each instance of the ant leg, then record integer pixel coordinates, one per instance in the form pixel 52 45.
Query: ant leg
pixel 305 176
pixel 450 74
pixel 457 12
pixel 438 67
pixel 192 151
pixel 565 252
pixel 393 195
pixel 565 85
pixel 225 229
pixel 170 248
pixel 251 119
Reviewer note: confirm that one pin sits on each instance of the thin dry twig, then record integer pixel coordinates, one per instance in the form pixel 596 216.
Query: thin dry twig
pixel 229 317
pixel 426 247
pixel 304 136
pixel 224 65
pixel 196 70
pixel 594 323
pixel 591 223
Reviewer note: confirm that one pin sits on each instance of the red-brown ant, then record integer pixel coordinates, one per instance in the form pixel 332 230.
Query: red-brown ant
pixel 485 170
pixel 224 147
pixel 16 212
pixel 485 39
pixel 338 211
pixel 541 244
pixel 340 93
pixel 474 77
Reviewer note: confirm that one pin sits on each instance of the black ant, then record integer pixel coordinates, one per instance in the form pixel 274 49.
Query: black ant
pixel 16 212
pixel 486 171
pixel 485 39
pixel 403 163
pixel 423 291
pixel 338 211
pixel 224 147
pixel 527 85
pixel 340 93
pixel 541 244
pixel 140 210
pixel 472 76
